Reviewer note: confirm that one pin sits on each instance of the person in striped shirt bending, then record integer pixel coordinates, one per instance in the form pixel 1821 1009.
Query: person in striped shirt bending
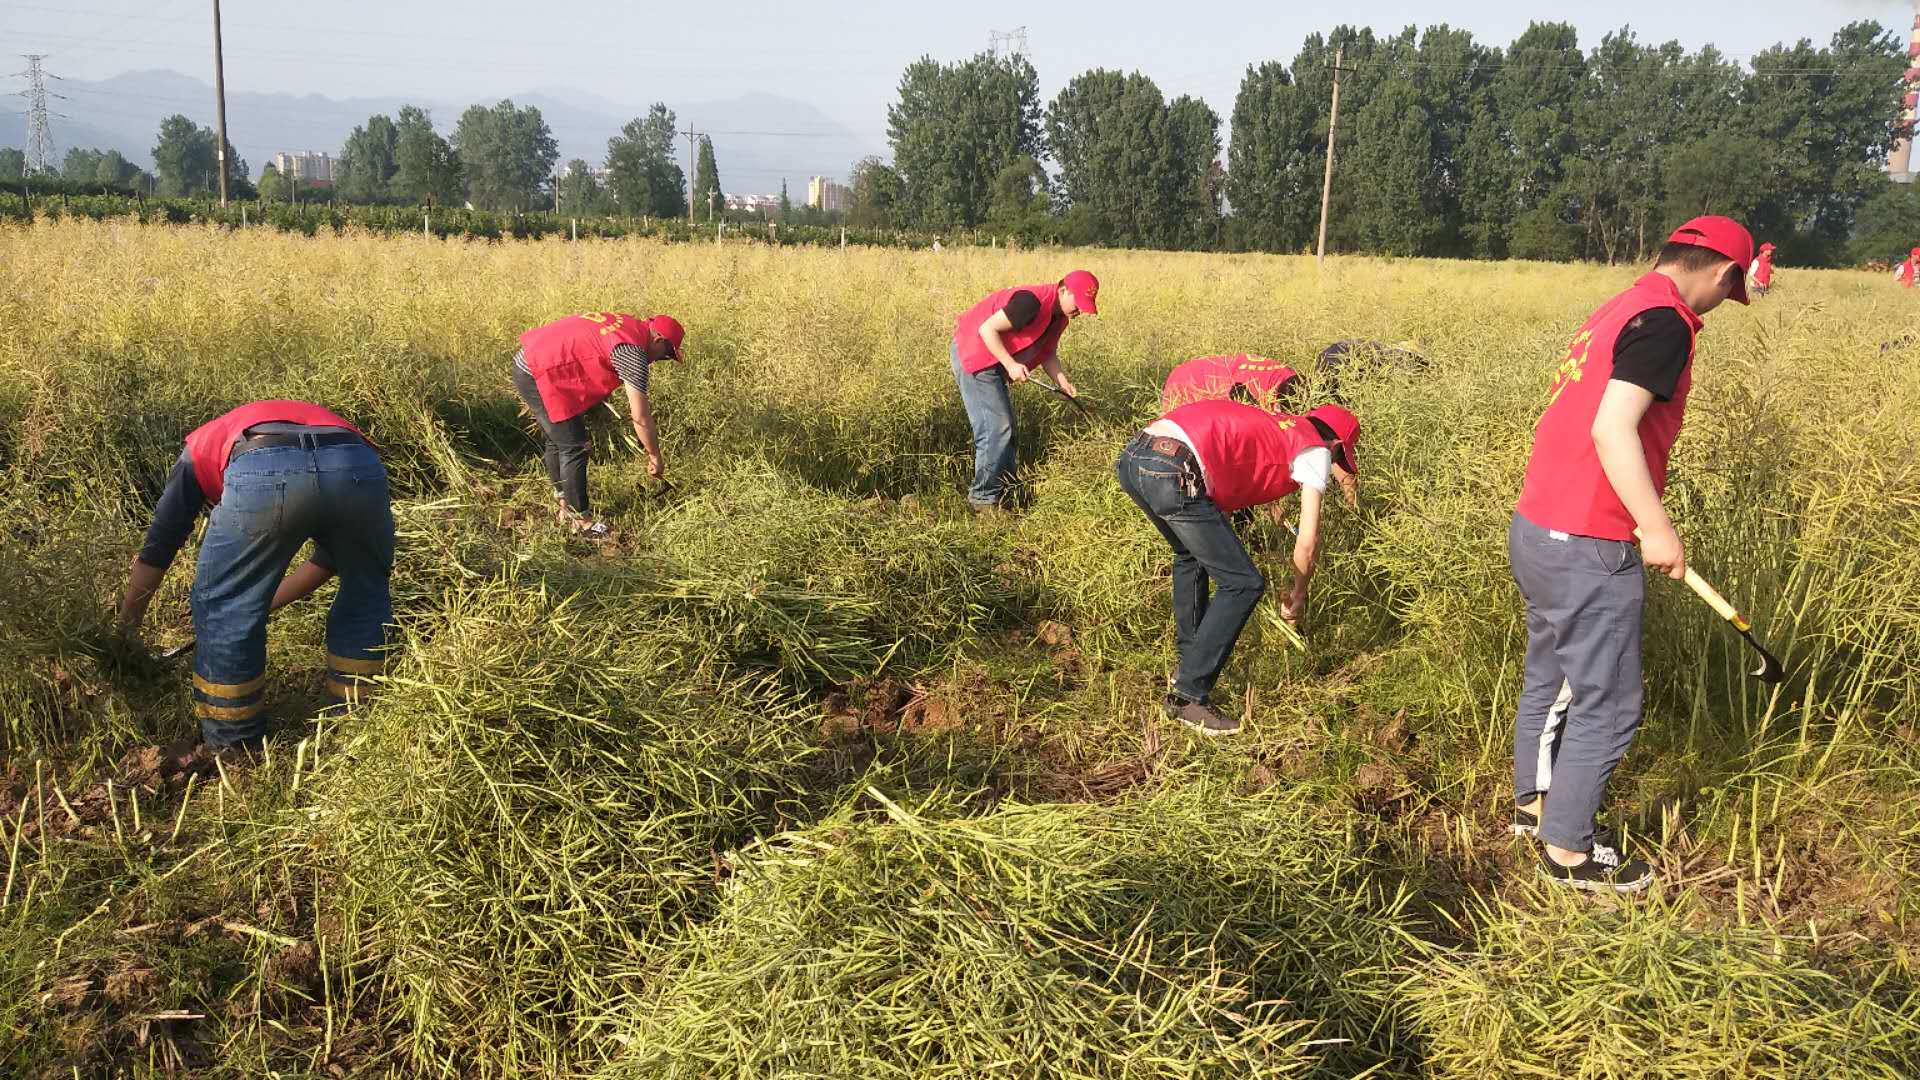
pixel 567 367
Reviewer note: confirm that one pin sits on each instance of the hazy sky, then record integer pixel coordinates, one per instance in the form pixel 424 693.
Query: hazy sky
pixel 843 58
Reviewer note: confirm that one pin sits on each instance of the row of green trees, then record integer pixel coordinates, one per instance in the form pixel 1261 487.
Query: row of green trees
pixel 184 158
pixel 503 157
pixel 1447 147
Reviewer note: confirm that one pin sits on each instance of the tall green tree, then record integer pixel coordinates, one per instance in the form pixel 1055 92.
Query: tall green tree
pixel 272 186
pixel 1133 169
pixel 369 161
pixel 80 166
pixel 643 174
pixel 185 162
pixel 708 199
pixel 13 162
pixel 507 154
pixel 1273 158
pixel 426 168
pixel 875 192
pixel 580 193
pixel 954 128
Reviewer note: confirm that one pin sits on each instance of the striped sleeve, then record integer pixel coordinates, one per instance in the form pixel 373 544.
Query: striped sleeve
pixel 631 364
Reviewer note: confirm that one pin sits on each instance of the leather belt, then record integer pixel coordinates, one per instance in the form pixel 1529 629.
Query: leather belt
pixel 305 440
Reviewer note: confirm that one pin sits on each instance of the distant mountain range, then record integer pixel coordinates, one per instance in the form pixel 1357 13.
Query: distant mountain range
pixel 757 138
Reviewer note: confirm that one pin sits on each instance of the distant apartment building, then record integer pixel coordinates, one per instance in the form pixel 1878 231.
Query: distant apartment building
pixel 307 166
pixel 824 194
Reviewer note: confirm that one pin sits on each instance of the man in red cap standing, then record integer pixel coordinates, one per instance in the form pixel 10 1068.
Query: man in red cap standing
pixel 1760 274
pixel 1595 478
pixel 1243 377
pixel 1908 272
pixel 567 367
pixel 998 341
pixel 1191 468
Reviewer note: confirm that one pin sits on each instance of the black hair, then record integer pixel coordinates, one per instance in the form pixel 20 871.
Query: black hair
pixel 1241 394
pixel 1691 257
pixel 1339 448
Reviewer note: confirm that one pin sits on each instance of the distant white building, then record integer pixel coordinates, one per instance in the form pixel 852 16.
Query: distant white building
pixel 600 173
pixel 308 166
pixel 766 204
pixel 825 194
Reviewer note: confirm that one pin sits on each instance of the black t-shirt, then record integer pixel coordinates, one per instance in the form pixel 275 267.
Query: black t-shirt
pixel 1652 351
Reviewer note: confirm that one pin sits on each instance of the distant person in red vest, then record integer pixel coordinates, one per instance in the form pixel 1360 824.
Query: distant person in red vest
pixel 1908 272
pixel 1760 274
pixel 1242 377
pixel 998 341
pixel 569 366
pixel 1191 468
pixel 272 475
pixel 1596 475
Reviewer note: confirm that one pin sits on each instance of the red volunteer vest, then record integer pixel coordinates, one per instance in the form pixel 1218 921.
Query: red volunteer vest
pixel 1909 270
pixel 209 444
pixel 572 359
pixel 1209 377
pixel 1565 488
pixel 1763 273
pixel 1044 331
pixel 1247 452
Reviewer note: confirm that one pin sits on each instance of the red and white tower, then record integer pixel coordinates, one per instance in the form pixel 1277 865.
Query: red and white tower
pixel 1900 163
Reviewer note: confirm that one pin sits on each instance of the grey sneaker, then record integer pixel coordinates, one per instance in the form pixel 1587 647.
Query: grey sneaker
pixel 1603 871
pixel 1199 716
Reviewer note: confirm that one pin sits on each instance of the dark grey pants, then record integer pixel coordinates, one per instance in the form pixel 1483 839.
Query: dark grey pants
pixel 566 446
pixel 1585 597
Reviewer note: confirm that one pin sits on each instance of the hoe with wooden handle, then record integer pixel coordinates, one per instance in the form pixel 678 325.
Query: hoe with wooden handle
pixel 1771 670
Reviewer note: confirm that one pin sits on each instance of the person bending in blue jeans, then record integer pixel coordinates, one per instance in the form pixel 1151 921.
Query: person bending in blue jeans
pixel 273 475
pixel 1191 468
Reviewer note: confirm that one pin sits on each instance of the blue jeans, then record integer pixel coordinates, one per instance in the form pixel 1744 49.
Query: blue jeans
pixel 1207 557
pixel 275 500
pixel 990 412
pixel 1585 597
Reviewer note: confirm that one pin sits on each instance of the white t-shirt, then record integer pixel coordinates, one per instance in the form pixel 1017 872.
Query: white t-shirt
pixel 1311 468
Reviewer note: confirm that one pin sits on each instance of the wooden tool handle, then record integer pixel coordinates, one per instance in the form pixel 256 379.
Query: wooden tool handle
pixel 1712 596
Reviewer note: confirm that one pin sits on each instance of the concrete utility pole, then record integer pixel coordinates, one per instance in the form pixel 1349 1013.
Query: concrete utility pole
pixel 1326 185
pixel 220 95
pixel 691 155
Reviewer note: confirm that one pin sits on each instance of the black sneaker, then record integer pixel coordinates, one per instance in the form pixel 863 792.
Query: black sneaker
pixel 1526 824
pixel 1199 716
pixel 1603 871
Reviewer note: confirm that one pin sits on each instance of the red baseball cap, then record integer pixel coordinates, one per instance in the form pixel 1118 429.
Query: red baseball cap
pixel 1725 236
pixel 666 326
pixel 1085 289
pixel 1346 427
pixel 1766 247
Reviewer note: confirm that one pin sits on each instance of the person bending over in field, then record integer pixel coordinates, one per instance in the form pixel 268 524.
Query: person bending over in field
pixel 1760 274
pixel 1908 272
pixel 1595 477
pixel 567 367
pixel 998 341
pixel 273 475
pixel 1186 472
pixel 1243 377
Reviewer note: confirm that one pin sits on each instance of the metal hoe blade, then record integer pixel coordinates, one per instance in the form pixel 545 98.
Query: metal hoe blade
pixel 1771 670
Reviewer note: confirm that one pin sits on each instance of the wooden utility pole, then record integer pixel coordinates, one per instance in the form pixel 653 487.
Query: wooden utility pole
pixel 1326 185
pixel 220 96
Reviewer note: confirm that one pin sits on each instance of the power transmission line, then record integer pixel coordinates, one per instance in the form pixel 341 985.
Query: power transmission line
pixel 1007 44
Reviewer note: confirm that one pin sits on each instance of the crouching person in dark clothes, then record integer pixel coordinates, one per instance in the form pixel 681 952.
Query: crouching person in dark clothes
pixel 1191 468
pixel 569 366
pixel 272 475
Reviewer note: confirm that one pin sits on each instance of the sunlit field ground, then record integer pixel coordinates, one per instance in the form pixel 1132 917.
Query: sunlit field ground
pixel 812 773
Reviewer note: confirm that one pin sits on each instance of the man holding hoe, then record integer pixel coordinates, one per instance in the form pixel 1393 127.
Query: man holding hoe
pixel 999 341
pixel 566 368
pixel 1593 483
pixel 272 475
pixel 1191 468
